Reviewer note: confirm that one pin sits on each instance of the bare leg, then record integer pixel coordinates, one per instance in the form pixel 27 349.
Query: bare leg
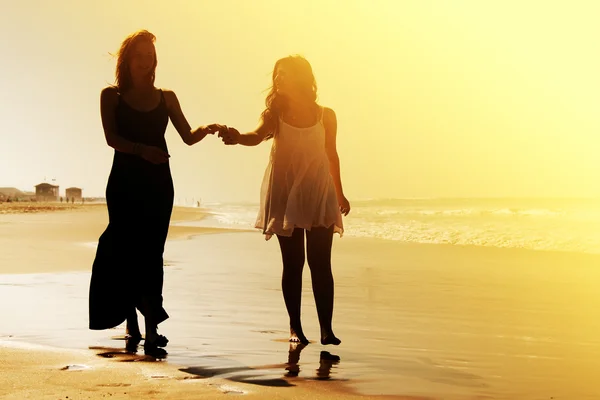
pixel 151 329
pixel 133 334
pixel 292 253
pixel 318 246
pixel 133 328
pixel 154 342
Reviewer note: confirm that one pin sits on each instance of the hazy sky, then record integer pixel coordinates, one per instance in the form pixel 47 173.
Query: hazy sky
pixel 433 98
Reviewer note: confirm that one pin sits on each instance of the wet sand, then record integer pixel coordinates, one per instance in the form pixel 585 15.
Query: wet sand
pixel 427 321
pixel 54 239
pixel 36 372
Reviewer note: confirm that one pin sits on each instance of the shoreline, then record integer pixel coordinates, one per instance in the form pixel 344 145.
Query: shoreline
pixel 118 375
pixel 441 321
pixel 181 215
pixel 59 236
pixel 36 371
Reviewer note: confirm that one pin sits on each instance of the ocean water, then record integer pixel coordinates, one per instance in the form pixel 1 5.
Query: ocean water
pixel 571 225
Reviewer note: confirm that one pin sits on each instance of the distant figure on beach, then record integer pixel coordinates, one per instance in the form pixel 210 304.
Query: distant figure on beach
pixel 127 272
pixel 61 199
pixel 302 188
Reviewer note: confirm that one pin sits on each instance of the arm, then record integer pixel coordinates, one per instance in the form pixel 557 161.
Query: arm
pixel 253 138
pixel 189 136
pixel 109 98
pixel 108 103
pixel 330 122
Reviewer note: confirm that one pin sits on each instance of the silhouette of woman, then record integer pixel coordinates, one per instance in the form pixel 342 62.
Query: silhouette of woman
pixel 302 189
pixel 127 273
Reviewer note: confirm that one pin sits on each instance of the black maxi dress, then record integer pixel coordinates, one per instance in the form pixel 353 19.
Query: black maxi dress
pixel 128 268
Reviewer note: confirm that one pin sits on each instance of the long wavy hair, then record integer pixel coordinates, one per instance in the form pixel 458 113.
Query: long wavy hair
pixel 123 80
pixel 276 104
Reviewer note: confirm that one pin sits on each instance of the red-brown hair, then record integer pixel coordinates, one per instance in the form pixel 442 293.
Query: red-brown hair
pixel 123 79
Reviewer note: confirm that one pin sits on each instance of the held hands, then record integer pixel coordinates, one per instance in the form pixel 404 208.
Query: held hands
pixel 156 155
pixel 214 128
pixel 230 136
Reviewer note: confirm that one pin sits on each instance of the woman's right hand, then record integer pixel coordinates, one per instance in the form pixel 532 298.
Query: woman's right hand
pixel 231 137
pixel 344 205
pixel 154 154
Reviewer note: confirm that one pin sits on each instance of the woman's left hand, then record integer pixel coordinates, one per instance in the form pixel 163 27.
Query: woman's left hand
pixel 214 128
pixel 344 205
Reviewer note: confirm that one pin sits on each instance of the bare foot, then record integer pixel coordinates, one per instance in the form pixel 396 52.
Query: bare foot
pixel 297 336
pixel 131 343
pixel 329 338
pixel 154 351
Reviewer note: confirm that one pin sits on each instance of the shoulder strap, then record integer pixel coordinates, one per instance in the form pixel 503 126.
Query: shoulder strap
pixel 119 98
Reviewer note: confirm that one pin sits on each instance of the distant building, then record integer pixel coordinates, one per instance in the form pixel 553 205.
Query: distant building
pixel 73 193
pixel 10 193
pixel 46 192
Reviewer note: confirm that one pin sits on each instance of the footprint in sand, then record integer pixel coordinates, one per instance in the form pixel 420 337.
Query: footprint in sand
pixel 74 367
pixel 187 378
pixel 269 332
pixel 226 389
pixel 114 384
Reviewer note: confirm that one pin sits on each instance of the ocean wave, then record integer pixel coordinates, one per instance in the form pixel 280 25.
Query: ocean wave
pixel 487 235
pixel 457 212
pixel 546 226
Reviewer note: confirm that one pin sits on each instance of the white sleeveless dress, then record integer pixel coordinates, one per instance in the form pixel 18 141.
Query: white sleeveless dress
pixel 297 189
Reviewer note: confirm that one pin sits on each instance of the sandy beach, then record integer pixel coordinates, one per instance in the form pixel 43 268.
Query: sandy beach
pixel 51 237
pixel 32 372
pixel 453 145
pixel 417 321
pixel 58 235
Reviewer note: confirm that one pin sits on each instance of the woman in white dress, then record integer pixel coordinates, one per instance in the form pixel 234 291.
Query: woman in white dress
pixel 302 191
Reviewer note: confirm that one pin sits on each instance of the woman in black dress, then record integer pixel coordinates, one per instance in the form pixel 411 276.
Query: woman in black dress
pixel 127 272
